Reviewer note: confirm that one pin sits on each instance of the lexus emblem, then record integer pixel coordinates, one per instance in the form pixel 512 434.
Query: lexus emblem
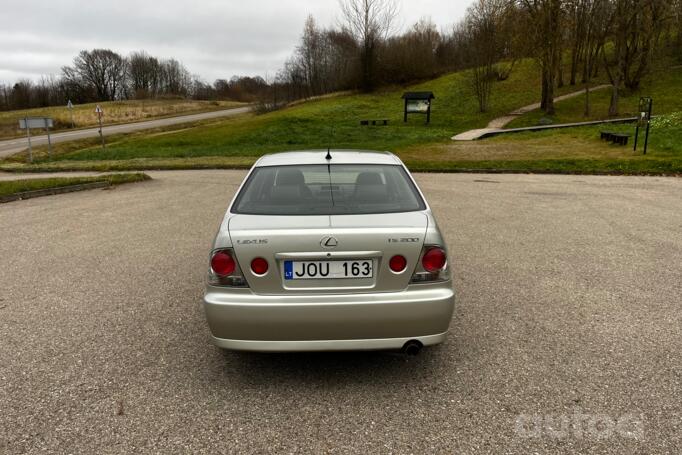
pixel 329 242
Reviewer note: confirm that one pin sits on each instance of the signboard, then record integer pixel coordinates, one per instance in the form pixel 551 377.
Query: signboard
pixel 99 111
pixel 418 106
pixel 645 104
pixel 418 103
pixel 69 105
pixel 35 122
pixel 27 123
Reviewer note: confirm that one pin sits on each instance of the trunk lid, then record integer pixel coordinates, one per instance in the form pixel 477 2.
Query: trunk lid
pixel 358 238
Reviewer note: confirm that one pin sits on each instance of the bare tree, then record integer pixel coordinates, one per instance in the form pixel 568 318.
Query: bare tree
pixel 144 74
pixel 577 18
pixel 546 18
pixel 635 26
pixel 22 94
pixel 677 12
pixel 411 56
pixel 175 78
pixel 482 21
pixel 594 15
pixel 311 55
pixel 103 69
pixel 5 102
pixel 369 22
pixel 343 65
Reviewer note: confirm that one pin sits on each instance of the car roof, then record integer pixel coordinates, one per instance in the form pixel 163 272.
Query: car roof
pixel 319 157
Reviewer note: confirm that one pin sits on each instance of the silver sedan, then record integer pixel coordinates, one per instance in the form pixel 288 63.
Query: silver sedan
pixel 326 251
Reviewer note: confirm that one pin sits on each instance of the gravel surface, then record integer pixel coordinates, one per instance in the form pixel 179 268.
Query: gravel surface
pixel 569 299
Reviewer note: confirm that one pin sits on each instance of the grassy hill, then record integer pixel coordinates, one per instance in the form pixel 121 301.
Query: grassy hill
pixel 332 122
pixel 663 84
pixel 335 122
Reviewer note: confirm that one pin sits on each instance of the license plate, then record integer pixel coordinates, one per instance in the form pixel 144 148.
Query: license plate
pixel 322 270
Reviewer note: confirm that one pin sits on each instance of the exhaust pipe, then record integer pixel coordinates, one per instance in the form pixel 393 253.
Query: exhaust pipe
pixel 412 347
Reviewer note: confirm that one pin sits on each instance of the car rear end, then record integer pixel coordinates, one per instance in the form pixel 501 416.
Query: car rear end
pixel 328 273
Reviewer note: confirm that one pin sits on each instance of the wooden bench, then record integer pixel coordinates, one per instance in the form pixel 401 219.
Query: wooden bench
pixel 382 121
pixel 606 135
pixel 620 139
pixel 616 138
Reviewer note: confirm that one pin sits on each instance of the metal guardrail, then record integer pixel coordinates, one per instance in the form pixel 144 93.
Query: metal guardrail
pixel 557 126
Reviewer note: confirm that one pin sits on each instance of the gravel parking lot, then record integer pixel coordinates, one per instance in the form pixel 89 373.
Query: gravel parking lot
pixel 567 334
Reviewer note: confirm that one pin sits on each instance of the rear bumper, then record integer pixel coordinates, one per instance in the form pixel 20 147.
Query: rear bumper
pixel 241 320
pixel 373 344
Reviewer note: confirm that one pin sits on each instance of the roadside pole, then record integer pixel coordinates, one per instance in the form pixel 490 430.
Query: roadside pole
pixel 49 141
pixel 28 133
pixel 69 106
pixel 100 113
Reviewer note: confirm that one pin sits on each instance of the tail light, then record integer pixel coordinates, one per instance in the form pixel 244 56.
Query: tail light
pixel 259 266
pixel 222 263
pixel 434 259
pixel 224 269
pixel 432 266
pixel 397 263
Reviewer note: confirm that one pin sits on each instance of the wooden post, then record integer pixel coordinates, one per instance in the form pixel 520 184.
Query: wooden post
pixel 101 135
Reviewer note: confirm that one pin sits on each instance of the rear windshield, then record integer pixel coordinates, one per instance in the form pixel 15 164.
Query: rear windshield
pixel 328 190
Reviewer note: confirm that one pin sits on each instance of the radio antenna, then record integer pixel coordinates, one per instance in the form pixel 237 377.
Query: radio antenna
pixel 329 147
pixel 329 167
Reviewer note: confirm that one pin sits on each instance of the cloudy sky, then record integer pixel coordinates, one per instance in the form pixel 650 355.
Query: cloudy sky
pixel 213 38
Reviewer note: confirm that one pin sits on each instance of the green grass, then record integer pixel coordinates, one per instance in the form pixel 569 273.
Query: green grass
pixel 310 125
pixel 665 138
pixel 19 186
pixel 238 142
pixel 555 166
pixel 664 85
pixel 570 150
pixel 138 164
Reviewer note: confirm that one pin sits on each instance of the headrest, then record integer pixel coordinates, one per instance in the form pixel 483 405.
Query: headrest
pixel 368 178
pixel 290 177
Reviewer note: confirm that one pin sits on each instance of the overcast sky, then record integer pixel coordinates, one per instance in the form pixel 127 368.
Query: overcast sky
pixel 213 38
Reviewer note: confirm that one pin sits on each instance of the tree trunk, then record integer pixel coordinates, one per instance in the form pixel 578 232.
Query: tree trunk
pixel 574 65
pixel 599 49
pixel 543 100
pixel 550 96
pixel 547 103
pixel 615 95
pixel 587 99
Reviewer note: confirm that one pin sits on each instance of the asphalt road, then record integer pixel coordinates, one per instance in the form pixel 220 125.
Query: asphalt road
pixel 12 146
pixel 568 307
